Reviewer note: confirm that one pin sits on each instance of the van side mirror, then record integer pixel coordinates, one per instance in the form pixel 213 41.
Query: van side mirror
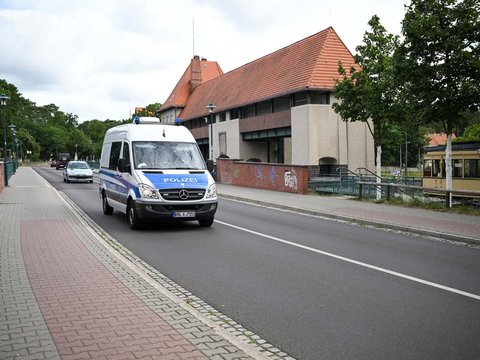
pixel 123 166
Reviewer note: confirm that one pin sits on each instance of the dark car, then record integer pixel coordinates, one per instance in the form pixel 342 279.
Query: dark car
pixel 62 160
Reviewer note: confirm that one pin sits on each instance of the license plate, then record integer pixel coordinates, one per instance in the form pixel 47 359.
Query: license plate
pixel 183 214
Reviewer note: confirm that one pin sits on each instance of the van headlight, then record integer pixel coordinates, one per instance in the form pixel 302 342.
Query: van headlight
pixel 211 191
pixel 146 191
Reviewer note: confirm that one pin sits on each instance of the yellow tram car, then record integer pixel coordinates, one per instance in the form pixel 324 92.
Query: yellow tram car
pixel 465 166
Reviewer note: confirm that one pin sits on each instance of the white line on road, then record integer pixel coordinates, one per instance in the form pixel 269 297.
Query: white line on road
pixel 359 263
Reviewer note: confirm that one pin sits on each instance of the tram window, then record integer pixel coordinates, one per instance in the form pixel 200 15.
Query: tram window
pixel 457 168
pixel 436 168
pixel 472 168
pixel 427 168
pixel 444 169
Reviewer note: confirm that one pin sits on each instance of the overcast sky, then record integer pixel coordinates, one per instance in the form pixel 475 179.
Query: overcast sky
pixel 99 59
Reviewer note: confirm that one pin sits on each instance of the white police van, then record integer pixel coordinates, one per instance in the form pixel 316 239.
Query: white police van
pixel 155 172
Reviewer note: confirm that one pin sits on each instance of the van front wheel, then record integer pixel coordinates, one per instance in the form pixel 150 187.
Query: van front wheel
pixel 107 209
pixel 206 222
pixel 132 217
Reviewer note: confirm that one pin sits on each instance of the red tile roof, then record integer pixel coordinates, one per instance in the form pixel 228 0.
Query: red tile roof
pixel 438 139
pixel 208 70
pixel 311 63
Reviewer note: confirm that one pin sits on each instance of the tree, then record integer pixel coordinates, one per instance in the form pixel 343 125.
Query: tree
pixel 471 133
pixel 29 147
pixel 77 143
pixel 149 110
pixel 95 131
pixel 368 93
pixel 438 63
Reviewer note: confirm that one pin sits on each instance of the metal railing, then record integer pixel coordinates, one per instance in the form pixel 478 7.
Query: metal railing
pixel 9 169
pixel 418 192
pixel 347 183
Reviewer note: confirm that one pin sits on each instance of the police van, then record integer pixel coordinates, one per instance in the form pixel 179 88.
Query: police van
pixel 155 172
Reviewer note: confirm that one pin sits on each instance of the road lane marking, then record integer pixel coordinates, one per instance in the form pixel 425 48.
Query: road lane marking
pixel 359 263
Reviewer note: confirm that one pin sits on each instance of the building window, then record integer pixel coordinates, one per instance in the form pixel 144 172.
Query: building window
pixel 281 104
pixel 248 111
pixel 222 117
pixel 472 168
pixel 301 98
pixel 235 114
pixel 322 98
pixel 264 108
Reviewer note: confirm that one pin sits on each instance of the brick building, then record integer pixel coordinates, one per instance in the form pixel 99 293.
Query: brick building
pixel 276 108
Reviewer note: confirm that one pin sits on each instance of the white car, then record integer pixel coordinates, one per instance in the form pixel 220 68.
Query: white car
pixel 77 171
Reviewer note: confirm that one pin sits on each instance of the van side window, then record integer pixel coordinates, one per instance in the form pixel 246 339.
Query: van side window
pixel 126 153
pixel 114 155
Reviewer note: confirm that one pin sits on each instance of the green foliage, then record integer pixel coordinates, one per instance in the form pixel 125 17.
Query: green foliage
pixel 438 64
pixel 369 93
pixel 44 131
pixel 471 133
pixel 149 110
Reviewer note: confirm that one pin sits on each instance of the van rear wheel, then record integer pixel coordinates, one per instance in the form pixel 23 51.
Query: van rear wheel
pixel 132 217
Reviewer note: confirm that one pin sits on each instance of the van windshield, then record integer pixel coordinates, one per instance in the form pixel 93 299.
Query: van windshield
pixel 162 155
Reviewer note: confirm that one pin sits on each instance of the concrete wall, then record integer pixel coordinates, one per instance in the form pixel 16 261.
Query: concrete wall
pixel 318 132
pixel 287 150
pixel 361 151
pixel 279 177
pixel 230 127
pixel 169 116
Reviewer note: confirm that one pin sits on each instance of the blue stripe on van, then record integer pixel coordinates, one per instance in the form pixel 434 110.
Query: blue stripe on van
pixel 175 181
pixel 116 183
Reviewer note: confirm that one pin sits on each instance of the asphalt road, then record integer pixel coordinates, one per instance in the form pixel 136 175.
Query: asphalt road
pixel 315 288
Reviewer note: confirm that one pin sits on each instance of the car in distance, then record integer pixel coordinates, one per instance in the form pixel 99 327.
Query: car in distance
pixel 53 163
pixel 77 171
pixel 62 160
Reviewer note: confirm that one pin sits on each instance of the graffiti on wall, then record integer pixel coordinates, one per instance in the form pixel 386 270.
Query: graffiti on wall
pixel 272 176
pixel 290 179
pixel 259 172
pixel 236 172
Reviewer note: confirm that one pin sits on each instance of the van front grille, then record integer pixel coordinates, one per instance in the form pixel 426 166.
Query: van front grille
pixel 182 194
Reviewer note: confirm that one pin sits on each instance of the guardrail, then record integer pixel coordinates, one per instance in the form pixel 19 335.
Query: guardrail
pixel 448 194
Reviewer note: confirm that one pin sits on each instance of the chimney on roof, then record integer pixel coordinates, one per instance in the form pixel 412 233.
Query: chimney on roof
pixel 196 73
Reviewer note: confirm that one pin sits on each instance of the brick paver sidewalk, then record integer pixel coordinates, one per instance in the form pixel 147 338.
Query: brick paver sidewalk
pixel 65 294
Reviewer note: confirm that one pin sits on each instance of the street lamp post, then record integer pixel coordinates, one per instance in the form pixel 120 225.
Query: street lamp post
pixel 3 104
pixel 210 107
pixel 14 146
pixel 406 156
